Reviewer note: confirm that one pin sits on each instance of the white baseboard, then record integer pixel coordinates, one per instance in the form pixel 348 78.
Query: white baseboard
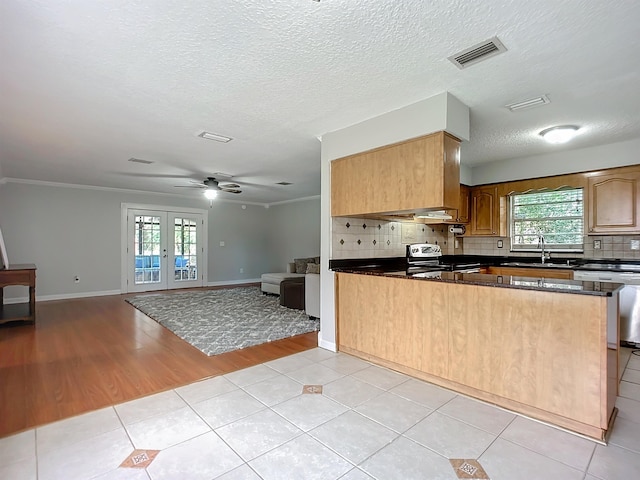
pixel 233 282
pixel 69 296
pixel 325 344
pixel 62 296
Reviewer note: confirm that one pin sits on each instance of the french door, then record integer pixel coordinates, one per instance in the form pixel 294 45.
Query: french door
pixel 165 250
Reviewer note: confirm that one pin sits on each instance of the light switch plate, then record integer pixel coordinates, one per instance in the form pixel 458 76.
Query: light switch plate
pixel 597 244
pixel 500 244
pixel 635 244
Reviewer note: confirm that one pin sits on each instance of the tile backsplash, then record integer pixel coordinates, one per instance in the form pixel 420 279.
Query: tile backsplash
pixel 368 238
pixel 618 246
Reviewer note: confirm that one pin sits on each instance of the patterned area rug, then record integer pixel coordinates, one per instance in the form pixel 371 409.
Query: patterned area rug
pixel 218 321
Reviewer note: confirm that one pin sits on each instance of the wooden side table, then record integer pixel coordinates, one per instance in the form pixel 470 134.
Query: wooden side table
pixel 19 274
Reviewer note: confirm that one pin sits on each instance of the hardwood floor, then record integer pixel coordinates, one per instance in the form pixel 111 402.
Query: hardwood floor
pixel 86 354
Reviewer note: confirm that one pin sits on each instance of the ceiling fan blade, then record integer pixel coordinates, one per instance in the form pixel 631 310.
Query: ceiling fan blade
pixel 231 190
pixel 190 186
pixel 229 185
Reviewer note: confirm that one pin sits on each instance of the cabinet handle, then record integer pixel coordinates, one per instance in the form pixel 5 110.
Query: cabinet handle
pixel 591 229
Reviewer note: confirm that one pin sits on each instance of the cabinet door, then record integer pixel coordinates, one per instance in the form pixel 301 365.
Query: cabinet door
pixel 401 178
pixel 463 209
pixel 532 272
pixel 485 211
pixel 613 203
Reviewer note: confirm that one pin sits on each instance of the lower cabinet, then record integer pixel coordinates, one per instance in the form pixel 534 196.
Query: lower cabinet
pixel 531 272
pixel 543 354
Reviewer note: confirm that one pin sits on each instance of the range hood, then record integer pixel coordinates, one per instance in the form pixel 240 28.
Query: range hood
pixel 435 214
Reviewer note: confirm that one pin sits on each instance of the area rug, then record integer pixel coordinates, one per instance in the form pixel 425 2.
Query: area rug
pixel 218 321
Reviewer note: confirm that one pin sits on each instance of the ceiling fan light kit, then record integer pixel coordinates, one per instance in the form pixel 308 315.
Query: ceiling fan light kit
pixel 210 194
pixel 211 187
pixel 560 134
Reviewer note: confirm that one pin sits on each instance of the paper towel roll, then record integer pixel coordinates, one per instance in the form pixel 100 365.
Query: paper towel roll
pixel 458 230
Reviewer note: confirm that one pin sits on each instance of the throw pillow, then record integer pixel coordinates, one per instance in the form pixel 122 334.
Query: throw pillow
pixel 316 259
pixel 313 268
pixel 301 264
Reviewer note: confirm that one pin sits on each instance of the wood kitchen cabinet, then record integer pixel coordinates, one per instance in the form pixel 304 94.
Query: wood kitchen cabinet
pixel 463 208
pixel 485 211
pixel 540 353
pixel 417 174
pixel 613 203
pixel 531 272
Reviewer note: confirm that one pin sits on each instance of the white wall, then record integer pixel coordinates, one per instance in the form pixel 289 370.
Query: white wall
pixel 75 231
pixel 294 232
pixel 557 163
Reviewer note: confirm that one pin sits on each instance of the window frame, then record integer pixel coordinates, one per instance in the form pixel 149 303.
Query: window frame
pixel 549 247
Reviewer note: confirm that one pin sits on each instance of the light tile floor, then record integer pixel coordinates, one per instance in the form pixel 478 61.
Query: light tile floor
pixel 368 422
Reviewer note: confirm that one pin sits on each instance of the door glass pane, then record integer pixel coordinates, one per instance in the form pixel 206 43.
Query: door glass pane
pixel 186 263
pixel 146 248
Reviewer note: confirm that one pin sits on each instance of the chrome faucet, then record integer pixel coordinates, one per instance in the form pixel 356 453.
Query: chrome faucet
pixel 541 245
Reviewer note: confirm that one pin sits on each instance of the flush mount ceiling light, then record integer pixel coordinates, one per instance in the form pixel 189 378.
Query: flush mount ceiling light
pixel 215 136
pixel 210 194
pixel 559 134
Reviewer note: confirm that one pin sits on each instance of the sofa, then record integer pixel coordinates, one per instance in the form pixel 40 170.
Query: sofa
pixel 312 294
pixel 270 282
pixel 306 271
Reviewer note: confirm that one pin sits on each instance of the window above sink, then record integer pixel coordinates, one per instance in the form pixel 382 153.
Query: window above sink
pixel 557 215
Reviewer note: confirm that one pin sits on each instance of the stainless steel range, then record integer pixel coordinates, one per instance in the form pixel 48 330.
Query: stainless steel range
pixel 423 260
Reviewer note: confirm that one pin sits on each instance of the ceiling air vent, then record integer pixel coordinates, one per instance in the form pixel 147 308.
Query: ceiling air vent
pixel 529 103
pixel 478 53
pixel 139 160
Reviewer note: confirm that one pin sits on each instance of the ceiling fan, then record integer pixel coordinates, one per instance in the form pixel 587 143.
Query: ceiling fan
pixel 211 185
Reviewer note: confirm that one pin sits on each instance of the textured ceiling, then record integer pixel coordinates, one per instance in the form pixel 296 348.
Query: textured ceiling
pixel 85 85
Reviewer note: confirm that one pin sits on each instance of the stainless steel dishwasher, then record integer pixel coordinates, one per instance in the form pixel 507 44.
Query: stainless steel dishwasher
pixel 629 300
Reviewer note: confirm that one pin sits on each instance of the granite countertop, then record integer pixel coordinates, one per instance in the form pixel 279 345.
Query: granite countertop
pixel 396 267
pixel 500 281
pixel 562 263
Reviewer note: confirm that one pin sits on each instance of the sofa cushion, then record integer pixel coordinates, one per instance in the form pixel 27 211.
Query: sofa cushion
pixel 313 268
pixel 301 264
pixel 276 278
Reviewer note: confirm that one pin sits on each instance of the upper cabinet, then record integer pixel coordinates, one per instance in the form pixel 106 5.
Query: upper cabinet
pixel 613 203
pixel 418 174
pixel 485 211
pixel 463 208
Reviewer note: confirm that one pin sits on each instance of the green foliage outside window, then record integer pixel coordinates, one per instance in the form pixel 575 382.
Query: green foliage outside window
pixel 557 215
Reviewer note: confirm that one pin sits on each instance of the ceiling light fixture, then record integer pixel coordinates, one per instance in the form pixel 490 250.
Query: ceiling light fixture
pixel 215 136
pixel 559 134
pixel 210 194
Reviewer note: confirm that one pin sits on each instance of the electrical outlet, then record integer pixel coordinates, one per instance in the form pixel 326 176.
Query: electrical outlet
pixel 242 270
pixel 76 279
pixel 597 244
pixel 500 244
pixel 635 244
pixel 222 244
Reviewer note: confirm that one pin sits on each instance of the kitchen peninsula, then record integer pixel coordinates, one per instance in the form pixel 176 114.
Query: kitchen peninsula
pixel 546 348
